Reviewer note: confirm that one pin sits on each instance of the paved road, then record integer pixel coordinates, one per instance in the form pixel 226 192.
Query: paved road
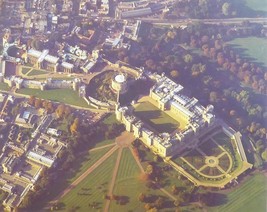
pixel 205 21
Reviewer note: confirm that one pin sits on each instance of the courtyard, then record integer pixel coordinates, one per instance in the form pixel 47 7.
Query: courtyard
pixel 159 120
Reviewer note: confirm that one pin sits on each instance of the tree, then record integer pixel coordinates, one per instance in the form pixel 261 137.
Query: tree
pixel 177 203
pixel 153 210
pixel 75 126
pixel 149 170
pixel 174 189
pixel 38 103
pixel 188 58
pixel 159 202
pixel 142 197
pixel 226 8
pixel 67 111
pixel 214 97
pixel 60 110
pixel 174 74
pixel 31 100
pixel 144 177
pixel 264 155
pixel 148 206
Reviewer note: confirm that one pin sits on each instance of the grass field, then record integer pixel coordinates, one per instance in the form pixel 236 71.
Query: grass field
pixel 67 96
pixel 87 160
pixel 260 5
pixel 92 189
pixel 253 48
pixel 127 183
pixel 4 86
pixel 156 118
pixel 250 196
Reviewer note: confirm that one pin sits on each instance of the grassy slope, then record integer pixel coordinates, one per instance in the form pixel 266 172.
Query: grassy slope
pixel 67 96
pixel 252 47
pixel 92 188
pixel 127 183
pixel 251 196
pixel 260 5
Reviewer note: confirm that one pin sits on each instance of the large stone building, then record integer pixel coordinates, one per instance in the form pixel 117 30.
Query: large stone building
pixel 169 96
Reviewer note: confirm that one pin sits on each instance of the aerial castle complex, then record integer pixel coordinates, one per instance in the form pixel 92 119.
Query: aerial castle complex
pixel 169 96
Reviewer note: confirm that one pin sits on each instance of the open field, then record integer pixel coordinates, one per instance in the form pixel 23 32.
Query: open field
pixel 127 183
pixel 253 48
pixel 260 5
pixel 67 96
pixel 250 196
pixel 156 118
pixel 90 190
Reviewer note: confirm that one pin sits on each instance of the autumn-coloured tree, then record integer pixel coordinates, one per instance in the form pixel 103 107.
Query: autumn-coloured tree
pixel 38 103
pixel 31 100
pixel 174 74
pixel 142 197
pixel 60 111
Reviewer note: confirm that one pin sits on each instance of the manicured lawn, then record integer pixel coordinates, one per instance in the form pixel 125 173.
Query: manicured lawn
pixel 25 70
pixel 4 86
pixel 37 72
pixel 156 118
pixel 92 189
pixel 86 160
pixel 127 183
pixel 67 96
pixel 252 47
pixel 249 196
pixel 111 119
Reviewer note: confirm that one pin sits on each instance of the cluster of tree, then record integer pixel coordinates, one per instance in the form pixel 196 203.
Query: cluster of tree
pixel 122 200
pixel 210 9
pixel 114 130
pixel 247 72
pixel 151 202
pixel 74 127
pixel 39 103
pixel 63 111
pixel 165 50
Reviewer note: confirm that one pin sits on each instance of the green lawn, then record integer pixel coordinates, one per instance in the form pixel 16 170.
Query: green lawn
pixel 251 47
pixel 91 189
pixel 86 160
pixel 37 72
pixel 4 86
pixel 25 70
pixel 111 119
pixel 82 163
pixel 156 118
pixel 249 196
pixel 67 96
pixel 260 5
pixel 127 183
